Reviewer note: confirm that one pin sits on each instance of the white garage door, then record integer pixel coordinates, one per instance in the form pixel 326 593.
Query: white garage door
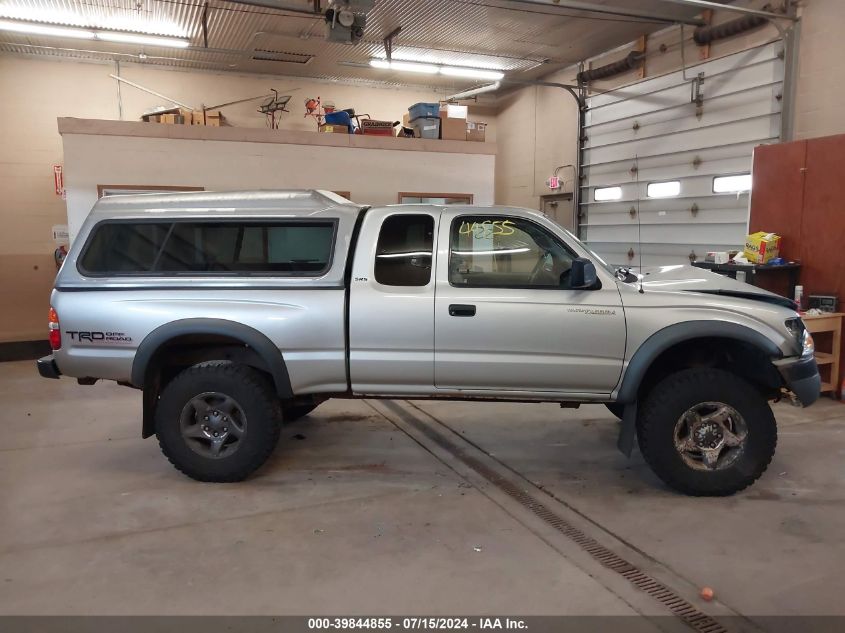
pixel 651 153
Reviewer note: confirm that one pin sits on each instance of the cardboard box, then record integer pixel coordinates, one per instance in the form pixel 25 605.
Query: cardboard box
pixel 450 111
pixel 761 247
pixel 453 129
pixel 198 117
pixel 334 129
pixel 406 120
pixel 476 131
pixel 214 118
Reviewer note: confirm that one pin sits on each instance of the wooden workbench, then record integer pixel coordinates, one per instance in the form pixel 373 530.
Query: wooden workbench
pixel 830 322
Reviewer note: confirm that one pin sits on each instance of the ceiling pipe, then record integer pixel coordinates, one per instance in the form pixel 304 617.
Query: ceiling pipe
pixel 592 7
pixel 718 6
pixel 281 6
pixel 472 92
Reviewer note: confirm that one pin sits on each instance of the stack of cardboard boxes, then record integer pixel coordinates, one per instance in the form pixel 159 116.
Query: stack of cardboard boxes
pixel 454 125
pixel 182 116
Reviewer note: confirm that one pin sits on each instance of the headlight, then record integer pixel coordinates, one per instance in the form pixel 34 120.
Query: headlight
pixel 808 347
pixel 803 339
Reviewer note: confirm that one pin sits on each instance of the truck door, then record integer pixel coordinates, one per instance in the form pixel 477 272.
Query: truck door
pixel 505 317
pixel 391 312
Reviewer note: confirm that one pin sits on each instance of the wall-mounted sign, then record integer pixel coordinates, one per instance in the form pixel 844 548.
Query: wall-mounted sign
pixel 59 180
pixel 553 182
pixel 60 234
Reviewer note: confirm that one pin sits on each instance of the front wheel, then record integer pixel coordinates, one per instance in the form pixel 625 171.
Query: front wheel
pixel 218 421
pixel 706 432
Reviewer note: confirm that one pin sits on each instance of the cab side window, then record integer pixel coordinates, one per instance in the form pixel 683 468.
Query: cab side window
pixel 404 250
pixel 506 252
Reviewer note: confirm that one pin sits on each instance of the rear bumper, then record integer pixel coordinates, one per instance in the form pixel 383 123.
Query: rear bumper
pixel 802 378
pixel 47 367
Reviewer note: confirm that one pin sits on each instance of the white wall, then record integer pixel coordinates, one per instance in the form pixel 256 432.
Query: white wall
pixel 372 176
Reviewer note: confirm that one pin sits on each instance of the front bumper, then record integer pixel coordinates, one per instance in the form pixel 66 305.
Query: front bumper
pixel 47 367
pixel 802 378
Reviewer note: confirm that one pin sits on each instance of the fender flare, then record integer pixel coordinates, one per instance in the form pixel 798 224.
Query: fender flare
pixel 263 346
pixel 658 343
pixel 671 335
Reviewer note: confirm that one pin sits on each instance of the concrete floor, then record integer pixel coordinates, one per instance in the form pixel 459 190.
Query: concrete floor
pixel 354 516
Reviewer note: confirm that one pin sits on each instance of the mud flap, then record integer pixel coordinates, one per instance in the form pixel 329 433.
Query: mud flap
pixel 628 429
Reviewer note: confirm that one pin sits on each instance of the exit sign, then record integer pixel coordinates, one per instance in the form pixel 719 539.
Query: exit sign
pixel 553 182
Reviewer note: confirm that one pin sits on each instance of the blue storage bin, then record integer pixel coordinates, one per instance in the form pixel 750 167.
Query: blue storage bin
pixel 419 110
pixel 426 127
pixel 339 118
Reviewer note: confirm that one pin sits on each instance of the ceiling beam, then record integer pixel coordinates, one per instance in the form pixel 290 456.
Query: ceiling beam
pixel 604 9
pixel 718 6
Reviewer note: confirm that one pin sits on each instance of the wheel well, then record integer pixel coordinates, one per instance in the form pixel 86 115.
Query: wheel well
pixel 741 358
pixel 181 352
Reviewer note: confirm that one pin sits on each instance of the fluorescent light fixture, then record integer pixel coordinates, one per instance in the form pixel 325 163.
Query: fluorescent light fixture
pixel 145 40
pixel 410 67
pixel 738 183
pixel 86 34
pixel 432 69
pixel 471 73
pixel 602 194
pixel 666 189
pixel 43 29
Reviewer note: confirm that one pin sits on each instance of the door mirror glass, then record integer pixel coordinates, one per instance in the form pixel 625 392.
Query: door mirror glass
pixel 583 274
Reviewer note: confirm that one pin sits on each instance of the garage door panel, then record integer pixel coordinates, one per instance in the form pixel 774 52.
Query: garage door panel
pixel 732 215
pixel 759 102
pixel 761 55
pixel 616 254
pixel 741 109
pixel 757 129
pixel 714 161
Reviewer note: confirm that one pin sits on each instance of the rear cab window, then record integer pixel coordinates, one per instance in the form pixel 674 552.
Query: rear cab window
pixel 212 247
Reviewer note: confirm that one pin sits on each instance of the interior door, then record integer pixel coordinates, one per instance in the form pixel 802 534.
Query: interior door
pixel 505 317
pixel 391 315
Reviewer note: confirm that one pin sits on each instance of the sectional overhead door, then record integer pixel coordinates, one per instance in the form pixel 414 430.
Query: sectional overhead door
pixel 666 161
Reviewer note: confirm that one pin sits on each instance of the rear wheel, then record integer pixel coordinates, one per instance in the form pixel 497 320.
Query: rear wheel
pixel 218 421
pixel 706 432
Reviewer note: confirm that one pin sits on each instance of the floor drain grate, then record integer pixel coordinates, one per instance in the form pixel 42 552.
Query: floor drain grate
pixel 657 590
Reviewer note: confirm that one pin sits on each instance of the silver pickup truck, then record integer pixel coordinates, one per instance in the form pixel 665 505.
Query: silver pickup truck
pixel 234 312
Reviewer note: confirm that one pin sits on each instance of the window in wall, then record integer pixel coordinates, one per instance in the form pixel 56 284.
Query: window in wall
pixel 504 252
pixel 293 248
pixel 666 189
pixel 415 197
pixel 736 183
pixel 602 194
pixel 404 250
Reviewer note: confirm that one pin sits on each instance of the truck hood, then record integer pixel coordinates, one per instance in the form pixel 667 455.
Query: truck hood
pixel 690 279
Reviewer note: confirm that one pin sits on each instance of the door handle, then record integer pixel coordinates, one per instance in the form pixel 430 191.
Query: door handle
pixel 461 310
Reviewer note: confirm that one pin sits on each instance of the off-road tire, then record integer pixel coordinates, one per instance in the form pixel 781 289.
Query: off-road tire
pixel 256 397
pixel 294 413
pixel 676 394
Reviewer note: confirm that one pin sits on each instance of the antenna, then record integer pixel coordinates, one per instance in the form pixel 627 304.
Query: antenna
pixel 639 224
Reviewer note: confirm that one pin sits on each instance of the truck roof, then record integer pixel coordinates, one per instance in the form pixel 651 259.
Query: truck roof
pixel 309 202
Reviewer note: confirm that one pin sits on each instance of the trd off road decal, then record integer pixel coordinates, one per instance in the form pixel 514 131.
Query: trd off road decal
pixel 117 338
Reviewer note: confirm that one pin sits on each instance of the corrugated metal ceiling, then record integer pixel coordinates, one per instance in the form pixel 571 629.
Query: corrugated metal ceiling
pixel 525 40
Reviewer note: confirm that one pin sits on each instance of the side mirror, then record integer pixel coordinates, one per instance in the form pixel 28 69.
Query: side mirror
pixel 583 274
